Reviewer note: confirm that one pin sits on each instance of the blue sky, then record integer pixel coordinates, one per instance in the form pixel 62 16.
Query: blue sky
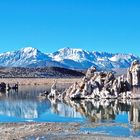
pixel 100 25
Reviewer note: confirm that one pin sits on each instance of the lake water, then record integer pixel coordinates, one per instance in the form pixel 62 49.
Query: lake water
pixel 111 117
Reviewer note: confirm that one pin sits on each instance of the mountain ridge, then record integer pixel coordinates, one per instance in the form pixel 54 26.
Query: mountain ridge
pixel 71 58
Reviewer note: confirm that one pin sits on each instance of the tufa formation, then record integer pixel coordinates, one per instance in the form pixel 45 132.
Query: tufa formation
pixel 102 85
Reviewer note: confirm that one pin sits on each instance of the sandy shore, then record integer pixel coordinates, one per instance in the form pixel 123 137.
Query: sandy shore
pixel 39 81
pixel 49 131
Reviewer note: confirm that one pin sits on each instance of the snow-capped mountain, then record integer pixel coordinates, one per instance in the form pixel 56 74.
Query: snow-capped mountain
pixel 26 57
pixel 78 58
pixel 66 57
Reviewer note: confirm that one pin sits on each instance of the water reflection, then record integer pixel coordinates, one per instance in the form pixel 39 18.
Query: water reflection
pixel 109 116
pixel 101 111
pixel 94 110
pixel 122 114
pixel 134 114
pixel 23 108
pixel 21 105
pixel 24 104
pixel 61 108
pixel 113 117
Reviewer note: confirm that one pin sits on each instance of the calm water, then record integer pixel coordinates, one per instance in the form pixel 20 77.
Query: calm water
pixel 111 117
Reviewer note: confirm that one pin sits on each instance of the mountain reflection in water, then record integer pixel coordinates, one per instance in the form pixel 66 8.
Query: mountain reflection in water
pixel 24 105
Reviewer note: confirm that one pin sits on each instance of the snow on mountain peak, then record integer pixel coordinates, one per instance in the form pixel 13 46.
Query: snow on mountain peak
pixel 70 49
pixel 66 57
pixel 85 59
pixel 27 50
pixel 22 58
pixel 70 53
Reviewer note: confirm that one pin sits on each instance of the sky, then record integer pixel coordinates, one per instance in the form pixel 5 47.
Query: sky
pixel 99 25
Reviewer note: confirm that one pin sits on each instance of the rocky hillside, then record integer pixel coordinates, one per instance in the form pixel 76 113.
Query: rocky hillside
pixel 47 72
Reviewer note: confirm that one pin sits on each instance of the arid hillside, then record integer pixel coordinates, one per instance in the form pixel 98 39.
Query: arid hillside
pixel 47 72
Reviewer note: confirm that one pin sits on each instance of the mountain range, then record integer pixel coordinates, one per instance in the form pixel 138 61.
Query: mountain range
pixel 67 58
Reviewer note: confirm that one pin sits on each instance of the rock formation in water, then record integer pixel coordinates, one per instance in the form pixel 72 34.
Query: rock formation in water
pixel 133 74
pixel 99 85
pixel 2 86
pixel 54 92
pixel 103 85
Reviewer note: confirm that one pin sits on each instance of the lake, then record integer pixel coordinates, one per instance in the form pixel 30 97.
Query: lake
pixel 111 117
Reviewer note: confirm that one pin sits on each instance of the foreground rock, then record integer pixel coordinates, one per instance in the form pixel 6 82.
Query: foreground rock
pixel 103 85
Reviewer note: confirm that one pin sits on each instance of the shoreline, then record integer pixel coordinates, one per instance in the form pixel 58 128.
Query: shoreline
pixel 50 131
pixel 39 81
